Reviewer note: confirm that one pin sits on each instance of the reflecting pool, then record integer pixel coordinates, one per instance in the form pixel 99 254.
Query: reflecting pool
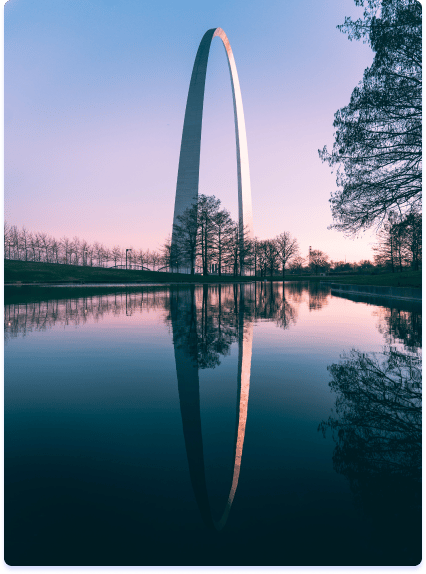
pixel 234 424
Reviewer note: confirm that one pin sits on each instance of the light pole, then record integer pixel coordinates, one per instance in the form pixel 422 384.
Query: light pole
pixel 126 255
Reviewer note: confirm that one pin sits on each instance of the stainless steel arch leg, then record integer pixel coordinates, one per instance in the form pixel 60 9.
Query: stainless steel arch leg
pixel 189 160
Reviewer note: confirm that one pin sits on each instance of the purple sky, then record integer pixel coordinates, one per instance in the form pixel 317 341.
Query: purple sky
pixel 95 95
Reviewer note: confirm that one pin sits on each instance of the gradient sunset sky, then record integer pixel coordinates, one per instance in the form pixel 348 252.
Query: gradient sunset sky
pixel 95 95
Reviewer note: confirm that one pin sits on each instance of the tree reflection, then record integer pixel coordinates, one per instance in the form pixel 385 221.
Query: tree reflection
pixel 41 310
pixel 295 289
pixel 377 430
pixel 272 304
pixel 196 330
pixel 318 296
pixel 399 320
pixel 396 324
pixel 204 322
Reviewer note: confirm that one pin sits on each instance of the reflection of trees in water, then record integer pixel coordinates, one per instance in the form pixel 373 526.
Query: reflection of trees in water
pixel 377 430
pixel 272 304
pixel 205 319
pixel 23 318
pixel 207 314
pixel 204 322
pixel 295 290
pixel 215 311
pixel 400 325
pixel 318 296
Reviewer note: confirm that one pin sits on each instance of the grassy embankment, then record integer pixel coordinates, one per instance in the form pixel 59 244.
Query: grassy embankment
pixel 30 272
pixel 403 279
pixel 23 272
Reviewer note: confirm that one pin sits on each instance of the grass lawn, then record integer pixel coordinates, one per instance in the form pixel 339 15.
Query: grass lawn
pixel 30 272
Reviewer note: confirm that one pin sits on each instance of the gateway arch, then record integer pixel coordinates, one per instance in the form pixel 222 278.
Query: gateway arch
pixel 183 312
pixel 189 159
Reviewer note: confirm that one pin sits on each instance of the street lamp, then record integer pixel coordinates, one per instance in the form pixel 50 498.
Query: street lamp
pixel 126 255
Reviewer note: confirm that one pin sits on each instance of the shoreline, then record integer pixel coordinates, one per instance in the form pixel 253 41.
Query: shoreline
pixel 35 274
pixel 388 292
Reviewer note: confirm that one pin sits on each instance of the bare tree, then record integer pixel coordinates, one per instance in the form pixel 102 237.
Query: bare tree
pixel 148 257
pixel 75 250
pixel 14 241
pixel 155 259
pixel 55 246
pixel 35 247
pixel 25 242
pixel 99 251
pixel 318 260
pixel 246 250
pixel 143 258
pixel 167 254
pixel 297 264
pixel 287 249
pixel 67 248
pixel 90 254
pixel 7 244
pixel 409 233
pixel 270 255
pixel 261 257
pixel 255 254
pixel 233 255
pixel 107 255
pixel 207 210
pixel 45 245
pixel 222 237
pixel 84 248
pixel 185 238
pixel 388 245
pixel 116 254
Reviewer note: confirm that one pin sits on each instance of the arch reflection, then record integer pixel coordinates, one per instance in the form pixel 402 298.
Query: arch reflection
pixel 183 314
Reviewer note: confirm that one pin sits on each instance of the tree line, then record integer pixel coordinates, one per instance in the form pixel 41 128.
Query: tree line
pixel 206 240
pixel 23 245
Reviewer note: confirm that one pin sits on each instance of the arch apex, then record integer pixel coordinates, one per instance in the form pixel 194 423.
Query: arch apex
pixel 189 159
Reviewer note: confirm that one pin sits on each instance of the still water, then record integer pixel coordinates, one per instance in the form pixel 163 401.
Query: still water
pixel 211 425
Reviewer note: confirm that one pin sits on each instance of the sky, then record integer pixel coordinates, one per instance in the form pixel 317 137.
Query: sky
pixel 95 96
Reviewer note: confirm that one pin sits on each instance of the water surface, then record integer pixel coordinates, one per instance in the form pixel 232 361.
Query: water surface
pixel 211 425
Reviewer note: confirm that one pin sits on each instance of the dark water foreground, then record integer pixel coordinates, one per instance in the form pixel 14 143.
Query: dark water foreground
pixel 211 425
